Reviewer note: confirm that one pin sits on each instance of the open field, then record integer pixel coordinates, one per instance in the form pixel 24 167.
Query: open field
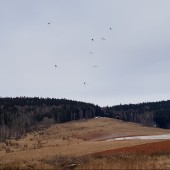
pixel 77 139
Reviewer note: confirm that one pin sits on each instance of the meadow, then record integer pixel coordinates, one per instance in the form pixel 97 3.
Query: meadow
pixel 85 144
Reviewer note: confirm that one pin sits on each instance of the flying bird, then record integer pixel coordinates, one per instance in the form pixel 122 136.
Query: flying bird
pixel 55 66
pixel 84 83
pixel 91 52
pixel 49 23
pixel 103 39
pixel 95 66
pixel 92 39
pixel 110 28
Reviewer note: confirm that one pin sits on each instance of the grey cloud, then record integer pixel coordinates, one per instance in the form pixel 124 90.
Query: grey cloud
pixel 133 61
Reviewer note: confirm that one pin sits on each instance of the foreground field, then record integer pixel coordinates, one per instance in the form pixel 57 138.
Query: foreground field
pixel 127 161
pixel 62 145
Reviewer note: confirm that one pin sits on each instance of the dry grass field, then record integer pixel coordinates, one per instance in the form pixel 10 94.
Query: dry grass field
pixel 73 144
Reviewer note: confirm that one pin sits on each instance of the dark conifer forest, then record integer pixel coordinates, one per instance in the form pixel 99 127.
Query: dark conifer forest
pixel 22 114
pixel 156 114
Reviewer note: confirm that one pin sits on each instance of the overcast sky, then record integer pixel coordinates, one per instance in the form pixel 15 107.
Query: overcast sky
pixel 133 62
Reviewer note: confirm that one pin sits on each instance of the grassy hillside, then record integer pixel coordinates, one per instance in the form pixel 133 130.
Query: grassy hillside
pixel 62 145
pixel 20 115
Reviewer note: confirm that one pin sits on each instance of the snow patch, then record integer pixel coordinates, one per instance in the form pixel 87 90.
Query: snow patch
pixel 152 137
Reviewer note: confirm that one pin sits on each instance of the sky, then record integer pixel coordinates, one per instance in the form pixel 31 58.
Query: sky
pixel 132 63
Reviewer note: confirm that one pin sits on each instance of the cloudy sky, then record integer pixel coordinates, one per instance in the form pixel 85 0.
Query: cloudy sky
pixel 133 62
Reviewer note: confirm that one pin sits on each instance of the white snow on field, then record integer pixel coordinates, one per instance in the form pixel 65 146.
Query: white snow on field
pixel 166 136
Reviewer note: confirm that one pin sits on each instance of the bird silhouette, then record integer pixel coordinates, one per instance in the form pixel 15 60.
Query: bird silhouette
pixel 49 23
pixel 103 39
pixel 55 66
pixel 90 52
pixel 110 28
pixel 92 39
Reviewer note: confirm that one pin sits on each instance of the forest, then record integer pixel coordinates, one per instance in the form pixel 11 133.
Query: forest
pixel 23 114
pixel 155 114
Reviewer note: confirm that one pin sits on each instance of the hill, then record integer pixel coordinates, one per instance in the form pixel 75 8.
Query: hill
pixel 22 114
pixel 66 143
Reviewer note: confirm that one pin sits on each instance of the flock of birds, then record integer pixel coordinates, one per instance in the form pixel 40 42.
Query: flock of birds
pixel 91 52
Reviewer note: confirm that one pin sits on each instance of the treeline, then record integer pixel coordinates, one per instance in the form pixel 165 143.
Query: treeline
pixel 155 114
pixel 22 114
pixel 19 115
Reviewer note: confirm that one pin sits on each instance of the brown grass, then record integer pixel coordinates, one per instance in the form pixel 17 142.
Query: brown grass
pixel 127 161
pixel 121 161
pixel 72 139
pixel 20 165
